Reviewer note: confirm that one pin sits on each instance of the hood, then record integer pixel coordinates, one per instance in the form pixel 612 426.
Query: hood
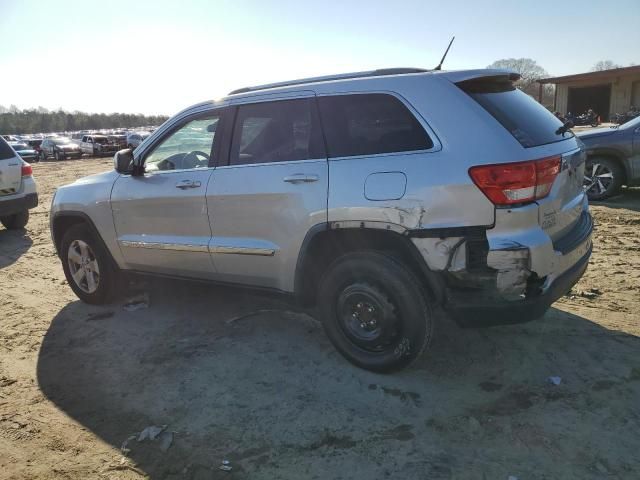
pixel 105 177
pixel 26 151
pixel 595 132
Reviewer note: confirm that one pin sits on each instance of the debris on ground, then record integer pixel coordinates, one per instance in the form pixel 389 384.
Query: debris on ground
pixel 151 432
pixel 282 311
pixel 136 303
pixel 226 466
pixel 554 380
pixel 100 316
pixel 124 447
pixel 166 438
pixel 591 293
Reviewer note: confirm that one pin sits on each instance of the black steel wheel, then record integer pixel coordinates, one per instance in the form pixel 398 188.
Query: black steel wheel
pixel 375 311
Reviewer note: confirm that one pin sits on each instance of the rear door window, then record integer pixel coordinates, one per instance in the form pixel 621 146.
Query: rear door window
pixel 369 124
pixel 5 150
pixel 524 118
pixel 279 131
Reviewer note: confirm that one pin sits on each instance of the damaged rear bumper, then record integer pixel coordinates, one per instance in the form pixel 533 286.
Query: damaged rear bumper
pixel 507 275
pixel 476 309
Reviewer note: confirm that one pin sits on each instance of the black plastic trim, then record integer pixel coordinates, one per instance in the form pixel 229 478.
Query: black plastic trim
pixel 476 232
pixel 578 234
pixel 17 205
pixel 85 219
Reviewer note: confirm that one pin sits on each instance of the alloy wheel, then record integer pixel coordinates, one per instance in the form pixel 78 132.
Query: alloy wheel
pixel 83 266
pixel 598 179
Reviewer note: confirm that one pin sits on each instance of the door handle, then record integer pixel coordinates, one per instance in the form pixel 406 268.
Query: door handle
pixel 300 178
pixel 184 184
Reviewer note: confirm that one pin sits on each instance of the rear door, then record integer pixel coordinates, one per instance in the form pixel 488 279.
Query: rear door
pixel 10 170
pixel 272 190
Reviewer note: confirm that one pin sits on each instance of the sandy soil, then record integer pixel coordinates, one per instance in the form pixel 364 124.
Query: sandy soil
pixel 270 394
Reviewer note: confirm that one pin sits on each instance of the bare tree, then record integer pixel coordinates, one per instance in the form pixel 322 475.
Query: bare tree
pixel 529 72
pixel 604 65
pixel 528 69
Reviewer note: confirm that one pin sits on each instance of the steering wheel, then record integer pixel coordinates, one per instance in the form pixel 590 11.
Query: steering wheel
pixel 193 160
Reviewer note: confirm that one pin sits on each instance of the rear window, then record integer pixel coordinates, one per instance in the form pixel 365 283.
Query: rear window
pixel 5 150
pixel 367 124
pixel 528 121
pixel 281 131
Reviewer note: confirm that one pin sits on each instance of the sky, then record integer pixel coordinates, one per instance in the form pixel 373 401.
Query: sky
pixel 158 57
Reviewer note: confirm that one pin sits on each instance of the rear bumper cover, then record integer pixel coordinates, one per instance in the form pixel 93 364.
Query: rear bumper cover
pixel 17 205
pixel 472 314
pixel 475 306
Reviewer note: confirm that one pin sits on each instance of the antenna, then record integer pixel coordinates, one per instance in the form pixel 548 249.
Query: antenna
pixel 439 67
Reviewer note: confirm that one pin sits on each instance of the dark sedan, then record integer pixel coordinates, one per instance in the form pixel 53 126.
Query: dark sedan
pixel 613 158
pixel 59 148
pixel 27 153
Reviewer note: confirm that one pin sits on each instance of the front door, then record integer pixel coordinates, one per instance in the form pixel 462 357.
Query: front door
pixel 271 191
pixel 161 217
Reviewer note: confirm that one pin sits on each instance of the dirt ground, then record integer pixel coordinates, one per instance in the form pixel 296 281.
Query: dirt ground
pixel 268 392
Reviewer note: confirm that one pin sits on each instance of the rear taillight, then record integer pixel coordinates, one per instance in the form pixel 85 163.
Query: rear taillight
pixel 512 183
pixel 27 171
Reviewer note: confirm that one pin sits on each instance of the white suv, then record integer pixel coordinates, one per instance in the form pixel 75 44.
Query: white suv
pixel 374 196
pixel 18 191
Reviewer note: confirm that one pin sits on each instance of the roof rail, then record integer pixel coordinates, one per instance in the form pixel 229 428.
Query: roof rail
pixel 344 76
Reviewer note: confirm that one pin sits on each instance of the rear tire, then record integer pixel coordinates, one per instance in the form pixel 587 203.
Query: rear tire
pixel 375 311
pixel 603 178
pixel 57 156
pixel 90 270
pixel 16 221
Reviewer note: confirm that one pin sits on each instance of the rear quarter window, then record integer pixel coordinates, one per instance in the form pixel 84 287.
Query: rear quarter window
pixel 529 122
pixel 5 150
pixel 369 124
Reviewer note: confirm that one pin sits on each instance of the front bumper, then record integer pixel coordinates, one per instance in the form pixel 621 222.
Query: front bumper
pixel 16 205
pixel 71 153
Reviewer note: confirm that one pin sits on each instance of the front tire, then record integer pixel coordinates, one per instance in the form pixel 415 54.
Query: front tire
pixel 603 178
pixel 58 156
pixel 16 221
pixel 375 311
pixel 87 266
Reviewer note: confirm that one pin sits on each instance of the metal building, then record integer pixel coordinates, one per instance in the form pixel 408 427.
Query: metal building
pixel 606 91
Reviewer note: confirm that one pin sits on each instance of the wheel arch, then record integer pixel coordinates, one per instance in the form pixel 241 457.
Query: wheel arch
pixel 62 221
pixel 614 155
pixel 322 244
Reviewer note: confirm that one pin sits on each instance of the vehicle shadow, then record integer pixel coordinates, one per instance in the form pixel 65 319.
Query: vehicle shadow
pixel 629 199
pixel 13 244
pixel 238 376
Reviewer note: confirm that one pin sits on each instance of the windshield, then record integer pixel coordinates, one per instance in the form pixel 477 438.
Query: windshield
pixel 631 123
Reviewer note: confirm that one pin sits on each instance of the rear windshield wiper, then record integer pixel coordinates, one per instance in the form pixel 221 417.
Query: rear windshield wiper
pixel 564 128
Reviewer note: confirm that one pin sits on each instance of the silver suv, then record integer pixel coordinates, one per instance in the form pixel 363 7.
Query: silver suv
pixel 18 192
pixel 375 197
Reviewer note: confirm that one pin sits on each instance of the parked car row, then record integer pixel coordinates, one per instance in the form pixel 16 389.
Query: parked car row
pixel 74 145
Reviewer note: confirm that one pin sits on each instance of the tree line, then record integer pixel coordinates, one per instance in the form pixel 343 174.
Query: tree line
pixel 14 120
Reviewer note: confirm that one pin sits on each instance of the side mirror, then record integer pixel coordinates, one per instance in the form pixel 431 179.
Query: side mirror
pixel 123 161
